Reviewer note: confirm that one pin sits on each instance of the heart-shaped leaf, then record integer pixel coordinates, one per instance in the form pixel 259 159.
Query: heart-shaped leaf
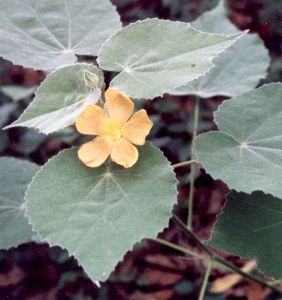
pixel 48 34
pixel 98 214
pixel 247 151
pixel 60 99
pixel 155 56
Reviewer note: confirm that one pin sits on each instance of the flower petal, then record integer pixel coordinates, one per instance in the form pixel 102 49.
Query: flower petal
pixel 124 153
pixel 137 128
pixel 93 154
pixel 90 120
pixel 119 106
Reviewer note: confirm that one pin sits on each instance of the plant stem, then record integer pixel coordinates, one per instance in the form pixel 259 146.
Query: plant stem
pixel 184 164
pixel 192 235
pixel 220 260
pixel 217 259
pixel 276 282
pixel 206 280
pixel 179 248
pixel 237 270
pixel 193 165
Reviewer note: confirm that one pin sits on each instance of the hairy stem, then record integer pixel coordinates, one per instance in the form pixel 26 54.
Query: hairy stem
pixel 193 165
pixel 179 248
pixel 217 259
pixel 184 164
pixel 220 260
pixel 192 235
pixel 206 280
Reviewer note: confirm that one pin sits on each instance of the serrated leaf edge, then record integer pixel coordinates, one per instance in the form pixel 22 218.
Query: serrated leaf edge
pixel 75 58
pixel 40 86
pixel 237 35
pixel 202 94
pixel 206 242
pixel 228 134
pixel 73 253
pixel 251 92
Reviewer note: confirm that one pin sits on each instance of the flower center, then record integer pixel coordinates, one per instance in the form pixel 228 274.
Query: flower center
pixel 111 128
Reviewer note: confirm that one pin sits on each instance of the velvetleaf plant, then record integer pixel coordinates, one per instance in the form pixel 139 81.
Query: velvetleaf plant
pixel 83 198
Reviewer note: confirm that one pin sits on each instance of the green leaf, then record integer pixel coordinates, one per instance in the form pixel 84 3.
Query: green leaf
pixel 251 226
pixel 247 152
pixel 215 21
pixel 15 176
pixel 60 99
pixel 17 93
pixel 48 34
pixel 155 56
pixel 237 70
pixel 98 214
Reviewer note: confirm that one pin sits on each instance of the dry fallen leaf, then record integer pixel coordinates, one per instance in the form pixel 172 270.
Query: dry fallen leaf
pixel 226 282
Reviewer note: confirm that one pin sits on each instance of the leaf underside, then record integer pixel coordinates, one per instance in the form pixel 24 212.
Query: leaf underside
pixel 60 99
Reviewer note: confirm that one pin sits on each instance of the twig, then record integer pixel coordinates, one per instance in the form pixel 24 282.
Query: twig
pixel 192 235
pixel 220 260
pixel 206 280
pixel 183 164
pixel 193 165
pixel 179 248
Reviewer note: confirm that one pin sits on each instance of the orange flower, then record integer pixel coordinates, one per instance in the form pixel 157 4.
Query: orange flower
pixel 116 131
